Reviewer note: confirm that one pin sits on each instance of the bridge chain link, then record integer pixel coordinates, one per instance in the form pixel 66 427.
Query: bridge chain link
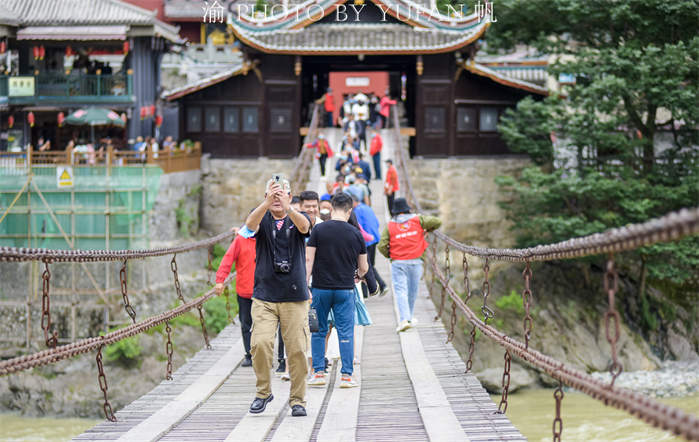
pixel 488 313
pixel 102 379
pixel 452 322
pixel 178 288
pixel 125 293
pixel 502 407
pixel 527 322
pixel 557 421
pixel 611 285
pixel 444 294
pixel 209 268
pixel 168 351
pixel 51 338
pixel 469 293
pixel 227 294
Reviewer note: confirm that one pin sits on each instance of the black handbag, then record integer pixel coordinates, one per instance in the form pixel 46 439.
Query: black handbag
pixel 313 320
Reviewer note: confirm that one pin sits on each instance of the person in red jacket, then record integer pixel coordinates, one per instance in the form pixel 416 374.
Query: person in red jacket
pixel 385 109
pixel 329 106
pixel 391 186
pixel 403 241
pixel 242 253
pixel 375 148
pixel 323 151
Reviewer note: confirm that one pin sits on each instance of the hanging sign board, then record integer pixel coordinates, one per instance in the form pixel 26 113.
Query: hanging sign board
pixel 20 86
pixel 64 176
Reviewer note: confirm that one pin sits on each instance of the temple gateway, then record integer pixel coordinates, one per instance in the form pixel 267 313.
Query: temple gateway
pixel 452 101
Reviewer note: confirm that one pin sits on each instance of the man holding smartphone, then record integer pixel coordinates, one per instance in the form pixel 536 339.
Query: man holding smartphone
pixel 280 295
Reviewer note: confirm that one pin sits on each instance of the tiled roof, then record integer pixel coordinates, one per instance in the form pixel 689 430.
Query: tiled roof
pixel 8 16
pixel 501 78
pixel 85 12
pixel 359 38
pixel 187 89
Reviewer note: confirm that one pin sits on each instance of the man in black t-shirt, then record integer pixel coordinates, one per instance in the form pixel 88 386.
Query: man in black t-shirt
pixel 280 294
pixel 336 250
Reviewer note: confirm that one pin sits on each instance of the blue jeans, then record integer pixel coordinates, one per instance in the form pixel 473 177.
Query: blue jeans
pixel 377 165
pixel 342 304
pixel 406 277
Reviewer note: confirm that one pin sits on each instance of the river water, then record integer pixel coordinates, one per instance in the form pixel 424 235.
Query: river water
pixel 531 411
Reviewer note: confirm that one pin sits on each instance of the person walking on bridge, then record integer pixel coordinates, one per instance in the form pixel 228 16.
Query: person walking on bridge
pixel 242 253
pixel 391 185
pixel 323 151
pixel 280 295
pixel 335 250
pixel 403 241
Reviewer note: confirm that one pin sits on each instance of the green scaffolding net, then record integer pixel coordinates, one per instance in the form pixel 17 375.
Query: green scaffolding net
pixel 106 208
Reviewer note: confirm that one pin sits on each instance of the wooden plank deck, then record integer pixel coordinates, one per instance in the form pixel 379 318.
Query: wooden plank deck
pixel 430 398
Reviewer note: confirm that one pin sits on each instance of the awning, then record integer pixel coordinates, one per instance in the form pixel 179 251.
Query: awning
pixel 113 32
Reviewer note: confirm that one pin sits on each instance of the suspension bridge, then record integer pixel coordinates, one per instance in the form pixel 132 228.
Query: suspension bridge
pixel 413 385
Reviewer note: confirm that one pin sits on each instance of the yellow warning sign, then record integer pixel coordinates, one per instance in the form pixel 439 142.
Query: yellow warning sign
pixel 64 176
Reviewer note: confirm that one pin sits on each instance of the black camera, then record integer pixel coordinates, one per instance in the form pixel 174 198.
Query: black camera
pixel 282 266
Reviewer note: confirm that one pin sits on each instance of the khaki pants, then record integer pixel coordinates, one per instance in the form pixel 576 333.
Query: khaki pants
pixel 293 317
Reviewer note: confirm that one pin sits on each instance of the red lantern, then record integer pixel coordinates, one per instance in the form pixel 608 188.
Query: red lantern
pixel 3 47
pixel 42 52
pixel 61 118
pixel 158 120
pixel 10 121
pixel 30 119
pixel 69 51
pixel 35 52
pixel 126 47
pixel 151 110
pixel 144 112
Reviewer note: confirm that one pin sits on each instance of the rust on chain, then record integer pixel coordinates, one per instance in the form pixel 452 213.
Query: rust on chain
pixel 527 322
pixel 611 284
pixel 444 295
pixel 488 313
pixel 227 294
pixel 125 293
pixel 168 351
pixel 203 327
pixel 471 349
pixel 56 255
pixel 173 266
pixel 452 322
pixel 557 421
pixel 51 338
pixel 209 268
pixel 102 379
pixel 502 407
pixel 467 279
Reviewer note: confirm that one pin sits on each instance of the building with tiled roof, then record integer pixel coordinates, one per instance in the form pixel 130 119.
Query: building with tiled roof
pixel 62 55
pixel 294 48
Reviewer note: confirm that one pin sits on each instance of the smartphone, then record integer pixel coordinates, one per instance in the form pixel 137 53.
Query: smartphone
pixel 277 178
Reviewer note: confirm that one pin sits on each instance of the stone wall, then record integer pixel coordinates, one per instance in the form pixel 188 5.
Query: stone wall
pixel 463 193
pixel 232 187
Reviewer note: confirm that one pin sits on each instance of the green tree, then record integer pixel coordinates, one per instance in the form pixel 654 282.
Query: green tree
pixel 626 131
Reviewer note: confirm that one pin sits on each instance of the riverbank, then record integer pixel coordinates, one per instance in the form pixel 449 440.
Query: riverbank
pixel 673 379
pixel 14 428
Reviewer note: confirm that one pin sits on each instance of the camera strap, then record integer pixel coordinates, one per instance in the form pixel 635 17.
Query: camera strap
pixel 287 231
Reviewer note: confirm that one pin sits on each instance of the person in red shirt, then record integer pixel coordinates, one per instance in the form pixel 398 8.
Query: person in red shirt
pixel 242 253
pixel 329 106
pixel 385 109
pixel 323 151
pixel 375 148
pixel 391 186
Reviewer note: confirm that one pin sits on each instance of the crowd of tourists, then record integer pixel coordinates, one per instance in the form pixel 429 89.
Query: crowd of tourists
pixel 305 264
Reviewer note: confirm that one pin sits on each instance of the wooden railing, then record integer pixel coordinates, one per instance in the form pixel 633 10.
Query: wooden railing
pixel 170 160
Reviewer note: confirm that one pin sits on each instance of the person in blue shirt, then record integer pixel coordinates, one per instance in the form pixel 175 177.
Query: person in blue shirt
pixel 366 169
pixel 370 223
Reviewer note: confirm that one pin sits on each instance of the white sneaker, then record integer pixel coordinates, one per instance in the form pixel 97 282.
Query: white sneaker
pixel 413 322
pixel 318 379
pixel 403 326
pixel 285 376
pixel 348 382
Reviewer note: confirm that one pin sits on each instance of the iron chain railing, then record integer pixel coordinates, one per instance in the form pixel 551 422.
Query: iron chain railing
pixel 667 228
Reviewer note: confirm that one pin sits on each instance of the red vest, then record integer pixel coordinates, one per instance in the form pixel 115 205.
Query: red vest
pixel 407 240
pixel 329 103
